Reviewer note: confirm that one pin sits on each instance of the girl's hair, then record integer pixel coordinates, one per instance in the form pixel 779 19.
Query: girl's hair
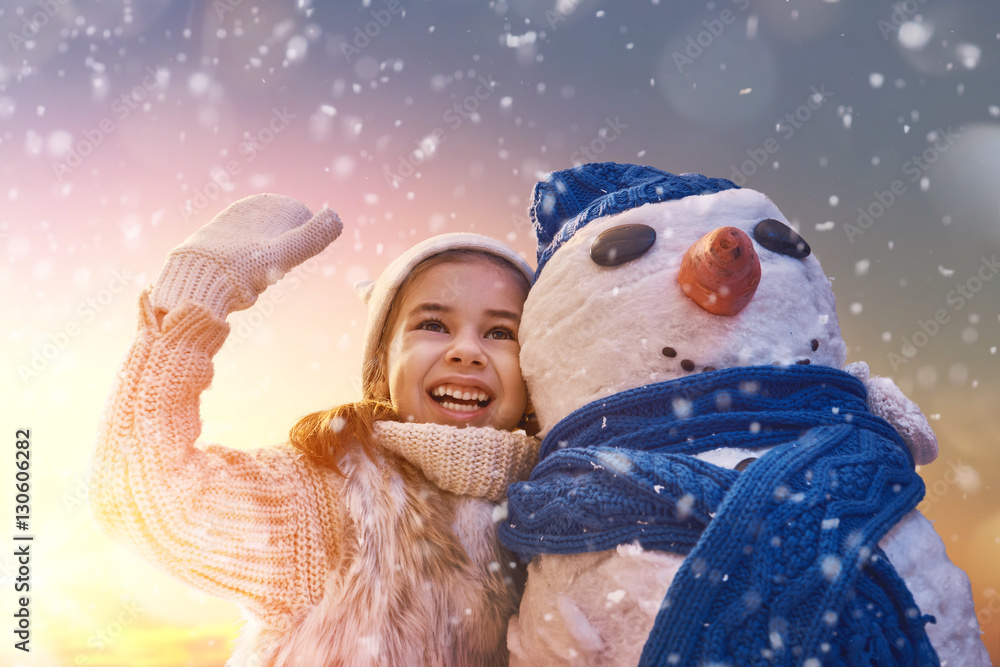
pixel 324 436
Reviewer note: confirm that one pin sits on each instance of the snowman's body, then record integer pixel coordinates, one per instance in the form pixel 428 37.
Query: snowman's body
pixel 590 331
pixel 598 608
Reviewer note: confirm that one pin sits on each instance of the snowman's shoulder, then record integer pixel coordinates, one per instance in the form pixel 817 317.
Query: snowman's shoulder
pixel 939 587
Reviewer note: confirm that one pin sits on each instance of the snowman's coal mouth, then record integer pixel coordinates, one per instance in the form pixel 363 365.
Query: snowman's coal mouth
pixel 689 365
pixel 686 364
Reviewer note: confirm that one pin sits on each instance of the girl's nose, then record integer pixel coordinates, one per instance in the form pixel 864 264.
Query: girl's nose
pixel 466 348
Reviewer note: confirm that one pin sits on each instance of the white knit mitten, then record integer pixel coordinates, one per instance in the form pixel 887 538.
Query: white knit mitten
pixel 887 401
pixel 249 246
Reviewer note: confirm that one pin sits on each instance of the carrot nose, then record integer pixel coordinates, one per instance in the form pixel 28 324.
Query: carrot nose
pixel 720 271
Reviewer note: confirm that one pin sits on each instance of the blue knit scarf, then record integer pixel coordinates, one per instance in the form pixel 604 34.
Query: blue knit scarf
pixel 783 564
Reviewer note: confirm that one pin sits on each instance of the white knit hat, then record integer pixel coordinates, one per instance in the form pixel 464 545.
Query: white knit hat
pixel 379 294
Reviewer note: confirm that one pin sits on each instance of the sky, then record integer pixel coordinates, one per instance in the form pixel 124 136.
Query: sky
pixel 125 126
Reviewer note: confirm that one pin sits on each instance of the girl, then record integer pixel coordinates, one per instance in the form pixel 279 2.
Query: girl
pixel 370 540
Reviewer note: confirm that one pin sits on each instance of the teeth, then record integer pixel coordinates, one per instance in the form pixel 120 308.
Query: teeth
pixel 463 394
pixel 458 407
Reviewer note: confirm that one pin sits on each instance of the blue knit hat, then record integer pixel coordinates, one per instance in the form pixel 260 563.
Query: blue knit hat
pixel 567 200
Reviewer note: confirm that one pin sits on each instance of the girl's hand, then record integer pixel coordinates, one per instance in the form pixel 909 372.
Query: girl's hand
pixel 249 246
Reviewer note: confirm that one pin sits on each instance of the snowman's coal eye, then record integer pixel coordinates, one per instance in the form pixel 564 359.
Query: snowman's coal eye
pixel 779 237
pixel 622 244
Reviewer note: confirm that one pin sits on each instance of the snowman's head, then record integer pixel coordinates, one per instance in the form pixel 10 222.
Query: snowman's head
pixel 646 276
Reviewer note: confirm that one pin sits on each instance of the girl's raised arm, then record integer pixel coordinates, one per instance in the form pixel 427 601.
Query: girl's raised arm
pixel 253 527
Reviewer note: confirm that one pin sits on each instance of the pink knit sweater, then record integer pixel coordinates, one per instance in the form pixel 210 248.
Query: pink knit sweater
pixel 383 567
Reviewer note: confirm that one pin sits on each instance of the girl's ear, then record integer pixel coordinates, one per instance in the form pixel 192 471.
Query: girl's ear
pixel 381 388
pixel 384 391
pixel 379 374
pixel 529 423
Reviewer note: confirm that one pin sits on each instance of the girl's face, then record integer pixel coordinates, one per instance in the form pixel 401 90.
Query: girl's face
pixel 452 351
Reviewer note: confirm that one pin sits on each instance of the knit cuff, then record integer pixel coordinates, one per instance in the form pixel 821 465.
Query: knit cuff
pixel 187 321
pixel 887 401
pixel 189 276
pixel 858 369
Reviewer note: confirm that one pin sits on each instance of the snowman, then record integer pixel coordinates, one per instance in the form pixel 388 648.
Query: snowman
pixel 715 487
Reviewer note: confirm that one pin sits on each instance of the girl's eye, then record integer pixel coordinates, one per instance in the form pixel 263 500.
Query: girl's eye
pixel 500 333
pixel 434 326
